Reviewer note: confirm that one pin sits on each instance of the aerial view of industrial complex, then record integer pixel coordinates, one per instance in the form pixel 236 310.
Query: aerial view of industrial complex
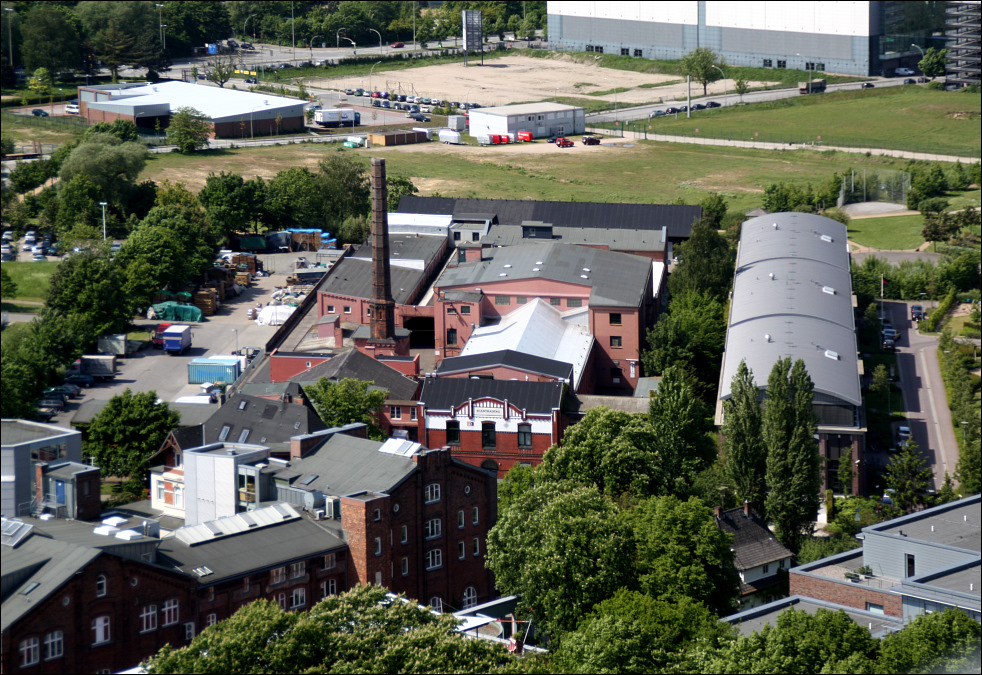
pixel 546 336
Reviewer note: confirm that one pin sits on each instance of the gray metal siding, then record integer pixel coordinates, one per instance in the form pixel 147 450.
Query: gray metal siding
pixel 887 555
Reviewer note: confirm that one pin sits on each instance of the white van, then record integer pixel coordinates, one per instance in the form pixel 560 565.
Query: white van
pixel 72 109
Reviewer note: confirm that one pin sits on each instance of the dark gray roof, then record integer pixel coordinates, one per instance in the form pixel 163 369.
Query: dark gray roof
pixel 14 432
pixel 753 543
pixel 67 470
pixel 268 421
pixel 677 218
pixel 259 388
pixel 354 364
pixel 345 465
pixel 407 247
pixel 191 414
pixel 508 358
pixel 614 279
pixel 240 554
pixel 81 533
pixel 954 524
pixel 353 278
pixel 617 238
pixel 534 397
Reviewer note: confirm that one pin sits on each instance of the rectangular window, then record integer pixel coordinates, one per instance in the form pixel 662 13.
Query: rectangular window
pixel 431 493
pixel 330 561
pixel 30 652
pixel 378 545
pixel 412 414
pixel 768 63
pixel 211 619
pixel 211 594
pixel 465 309
pixel 434 559
pixel 298 598
pixel 396 412
pixel 615 341
pixel 460 518
pixel 246 584
pixel 160 491
pixel 281 599
pixel 476 546
pixel 625 51
pixel 377 515
pixel 100 586
pixel 555 302
pixel 820 66
pixel 461 550
pixel 148 618
pixel 782 64
pixel 488 436
pixel 475 236
pixel 574 303
pixel 54 645
pixel 502 299
pixel 405 567
pixel 638 53
pixel 452 336
pixel 189 631
pixel 347 309
pixel 223 434
pixel 404 534
pixel 179 496
pixel 279 575
pixel 874 608
pixel 297 570
pixel 525 435
pixel 329 587
pixel 475 516
pixel 615 375
pixel 330 309
pixel 615 318
pixel 171 612
pixel 244 435
pixel 453 433
pixel 521 300
pixel 433 528
pixel 910 564
pixel 809 66
pixel 101 632
pixel 766 569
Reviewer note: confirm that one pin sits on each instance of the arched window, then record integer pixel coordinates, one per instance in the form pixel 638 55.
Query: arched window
pixel 436 603
pixel 470 597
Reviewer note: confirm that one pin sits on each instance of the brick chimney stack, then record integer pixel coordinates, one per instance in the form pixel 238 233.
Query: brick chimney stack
pixel 382 305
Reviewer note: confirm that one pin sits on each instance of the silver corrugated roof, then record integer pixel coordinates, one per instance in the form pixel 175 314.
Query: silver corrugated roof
pixel 793 235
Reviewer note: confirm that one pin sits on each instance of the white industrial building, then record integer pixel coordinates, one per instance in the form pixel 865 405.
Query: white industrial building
pixel 542 119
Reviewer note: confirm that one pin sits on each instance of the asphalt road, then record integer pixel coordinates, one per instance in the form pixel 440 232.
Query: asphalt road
pixel 923 393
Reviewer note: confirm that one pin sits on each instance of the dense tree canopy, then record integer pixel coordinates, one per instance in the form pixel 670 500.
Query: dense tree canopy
pixel 189 129
pixel 128 431
pixel 90 284
pixel 743 443
pixel 349 401
pixel 705 263
pixel 51 40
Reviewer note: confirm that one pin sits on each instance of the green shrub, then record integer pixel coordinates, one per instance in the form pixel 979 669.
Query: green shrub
pixel 939 313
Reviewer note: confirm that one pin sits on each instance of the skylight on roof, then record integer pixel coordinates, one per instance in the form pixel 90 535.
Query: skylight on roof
pixel 826 238
pixel 831 355
pixel 828 289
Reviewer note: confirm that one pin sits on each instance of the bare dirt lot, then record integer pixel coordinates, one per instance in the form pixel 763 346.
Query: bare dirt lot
pixel 514 79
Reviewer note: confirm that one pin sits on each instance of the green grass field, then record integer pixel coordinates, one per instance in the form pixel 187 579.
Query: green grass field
pixel 889 232
pixel 903 118
pixel 32 279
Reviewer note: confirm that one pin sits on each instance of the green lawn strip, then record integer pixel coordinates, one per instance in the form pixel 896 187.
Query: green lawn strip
pixel 945 122
pixel 888 232
pixel 14 333
pixel 32 279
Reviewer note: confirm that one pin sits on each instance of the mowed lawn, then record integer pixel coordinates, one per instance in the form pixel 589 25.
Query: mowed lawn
pixel 888 232
pixel 910 118
pixel 644 172
pixel 32 278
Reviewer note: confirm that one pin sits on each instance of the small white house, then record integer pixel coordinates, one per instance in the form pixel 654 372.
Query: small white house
pixel 542 119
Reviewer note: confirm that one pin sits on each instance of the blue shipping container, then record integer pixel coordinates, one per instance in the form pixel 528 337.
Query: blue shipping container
pixel 213 370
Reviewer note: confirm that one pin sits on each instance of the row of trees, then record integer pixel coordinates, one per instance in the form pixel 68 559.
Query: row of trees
pixel 956 272
pixel 957 366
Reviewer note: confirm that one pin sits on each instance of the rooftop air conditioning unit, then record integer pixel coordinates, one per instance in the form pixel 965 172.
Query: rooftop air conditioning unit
pixel 318 514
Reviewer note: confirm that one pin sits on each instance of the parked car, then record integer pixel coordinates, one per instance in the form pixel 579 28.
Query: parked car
pixel 922 80
pixel 386 104
pixel 714 104
pixel 70 390
pixel 39 257
pixel 37 112
pixel 564 142
pixel 916 313
pixel 866 85
pixel 72 109
pixel 658 113
pixel 251 80
pixel 698 106
pixel 903 433
pixel 910 80
pixel 80 380
pixel 419 117
pixel 672 110
pixel 889 345
pixel 56 403
pixel 683 108
pixel 889 333
pixel 397 45
pixel 903 71
pixel 591 140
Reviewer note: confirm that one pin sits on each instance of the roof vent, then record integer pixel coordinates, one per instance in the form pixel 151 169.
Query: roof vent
pixel 828 289
pixel 538 262
pixel 503 274
pixel 767 337
pixel 535 269
pixel 774 225
pixel 832 355
pixel 586 269
pixel 826 238
pixel 508 266
pixel 771 275
pixel 584 276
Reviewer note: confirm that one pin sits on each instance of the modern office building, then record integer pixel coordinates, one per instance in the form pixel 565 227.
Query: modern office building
pixel 855 38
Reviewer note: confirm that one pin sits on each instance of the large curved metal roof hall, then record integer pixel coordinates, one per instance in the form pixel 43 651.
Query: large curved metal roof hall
pixel 792 296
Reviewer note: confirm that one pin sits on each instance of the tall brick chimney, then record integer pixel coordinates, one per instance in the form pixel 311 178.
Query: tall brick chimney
pixel 382 305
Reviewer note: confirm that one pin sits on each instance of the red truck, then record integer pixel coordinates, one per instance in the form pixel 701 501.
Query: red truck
pixel 158 335
pixel 563 142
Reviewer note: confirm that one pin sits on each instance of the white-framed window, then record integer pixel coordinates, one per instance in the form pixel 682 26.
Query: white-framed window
pixel 469 597
pixel 378 577
pixel 347 309
pixel 431 493
pixel 461 550
pixel 30 652
pixel 377 515
pixel 329 587
pixel 476 546
pixel 298 569
pixel 436 603
pixel 460 518
pixel 148 618
pixel 396 412
pixel 281 599
pixel 179 496
pixel 412 414
pixel 330 309
pixel 171 612
pixel 378 545
pixel 223 434
pixel 475 516
pixel 405 567
pixel 434 559
pixel 160 490
pixel 433 528
pixel 404 534
pixel 766 568
pixel 54 645
pixel 211 594
pixel 525 435
pixel 189 631
pixel 330 561
pixel 298 598
pixel 101 630
pixel 211 619
pixel 100 586
pixel 279 575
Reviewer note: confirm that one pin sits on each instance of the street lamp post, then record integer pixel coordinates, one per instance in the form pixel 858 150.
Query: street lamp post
pixel 253 26
pixel 10 33
pixel 918 48
pixel 353 45
pixel 379 39
pixel 160 20
pixel 164 41
pixel 337 37
pixel 724 81
pixel 372 70
pixel 236 331
pixel 103 205
pixel 312 46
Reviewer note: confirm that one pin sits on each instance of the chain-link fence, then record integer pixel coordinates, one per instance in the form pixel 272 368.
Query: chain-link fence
pixel 870 186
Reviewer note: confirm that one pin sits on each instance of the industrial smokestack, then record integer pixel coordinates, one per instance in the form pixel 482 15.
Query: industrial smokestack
pixel 382 305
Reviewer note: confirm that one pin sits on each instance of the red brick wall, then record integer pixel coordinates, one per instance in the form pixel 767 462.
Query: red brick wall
pixel 506 453
pixel 361 530
pixel 845 593
pixel 246 128
pixel 283 368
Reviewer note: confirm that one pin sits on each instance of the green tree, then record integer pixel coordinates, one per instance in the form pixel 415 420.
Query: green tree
pixel 741 87
pixel 148 52
pixel 635 633
pixel 816 548
pixel 939 642
pixel 50 41
pixel 743 443
pixel 714 209
pixel 354 230
pixel 611 450
pixel 231 203
pixel 705 264
pixel 292 198
pixel 8 287
pixel 114 47
pixel 40 83
pixel 349 401
pixel 124 130
pixel 90 285
pixel 128 431
pixel 360 631
pixel 562 548
pixel 845 472
pixel 189 130
pixel 683 554
pixel 221 70
pixel 342 183
pixel 932 64
pixel 192 24
pixel 111 165
pixel 399 187
pixel 908 475
pixel 703 65
pixel 789 426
